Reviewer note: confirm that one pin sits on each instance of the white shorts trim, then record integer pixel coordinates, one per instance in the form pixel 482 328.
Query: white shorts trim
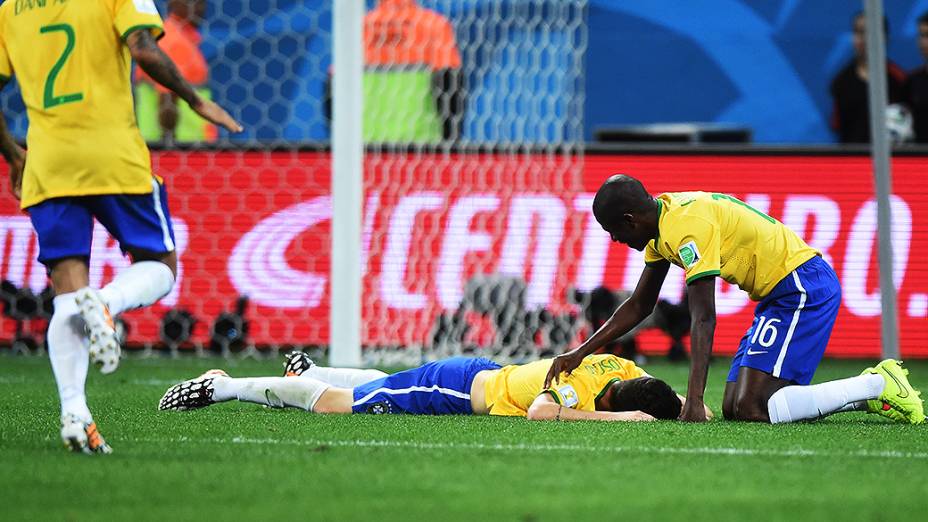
pixel 792 325
pixel 165 231
pixel 412 389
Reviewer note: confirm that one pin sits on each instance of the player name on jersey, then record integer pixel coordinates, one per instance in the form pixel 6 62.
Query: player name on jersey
pixel 26 5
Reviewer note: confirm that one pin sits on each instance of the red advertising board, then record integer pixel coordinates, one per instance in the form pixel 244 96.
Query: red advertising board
pixel 257 224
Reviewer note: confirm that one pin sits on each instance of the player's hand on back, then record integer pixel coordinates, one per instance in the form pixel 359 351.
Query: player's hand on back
pixel 564 363
pixel 212 112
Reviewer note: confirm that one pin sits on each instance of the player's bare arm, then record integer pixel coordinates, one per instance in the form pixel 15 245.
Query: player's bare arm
pixel 629 314
pixel 156 64
pixel 545 407
pixel 167 114
pixel 701 294
pixel 14 154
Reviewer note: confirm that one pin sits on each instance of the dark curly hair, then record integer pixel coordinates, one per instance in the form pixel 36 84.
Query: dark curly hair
pixel 652 396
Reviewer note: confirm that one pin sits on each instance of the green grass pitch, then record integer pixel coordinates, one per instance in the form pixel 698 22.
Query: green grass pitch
pixel 242 461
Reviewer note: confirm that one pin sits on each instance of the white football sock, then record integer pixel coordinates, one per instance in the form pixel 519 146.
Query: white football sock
pixel 141 284
pixel 276 392
pixel 794 403
pixel 854 406
pixel 69 356
pixel 343 377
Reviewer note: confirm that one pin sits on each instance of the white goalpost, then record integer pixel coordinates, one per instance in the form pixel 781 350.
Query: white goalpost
pixel 347 183
pixel 882 173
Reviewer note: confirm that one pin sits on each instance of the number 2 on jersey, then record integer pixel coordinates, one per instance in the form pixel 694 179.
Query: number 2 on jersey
pixel 50 100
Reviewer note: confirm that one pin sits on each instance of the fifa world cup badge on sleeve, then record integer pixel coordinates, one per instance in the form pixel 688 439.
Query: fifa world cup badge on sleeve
pixel 569 394
pixel 689 254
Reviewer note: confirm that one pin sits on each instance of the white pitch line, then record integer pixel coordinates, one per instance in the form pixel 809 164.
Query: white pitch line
pixel 514 448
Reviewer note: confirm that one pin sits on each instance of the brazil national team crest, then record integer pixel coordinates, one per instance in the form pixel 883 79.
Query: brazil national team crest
pixel 689 254
pixel 569 394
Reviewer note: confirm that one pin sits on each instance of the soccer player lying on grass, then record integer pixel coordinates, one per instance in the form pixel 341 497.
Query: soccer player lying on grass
pixel 716 235
pixel 605 387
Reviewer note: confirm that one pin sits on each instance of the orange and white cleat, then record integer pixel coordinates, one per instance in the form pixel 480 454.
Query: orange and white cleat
pixel 191 394
pixel 82 437
pixel 296 363
pixel 104 342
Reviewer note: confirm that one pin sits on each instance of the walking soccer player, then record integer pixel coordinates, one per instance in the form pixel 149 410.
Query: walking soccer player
pixel 605 388
pixel 710 235
pixel 86 160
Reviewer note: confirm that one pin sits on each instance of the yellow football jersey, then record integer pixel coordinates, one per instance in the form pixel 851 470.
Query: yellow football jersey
pixel 73 68
pixel 715 234
pixel 511 390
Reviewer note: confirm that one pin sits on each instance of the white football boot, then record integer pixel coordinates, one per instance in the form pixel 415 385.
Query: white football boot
pixel 191 394
pixel 82 437
pixel 104 343
pixel 296 363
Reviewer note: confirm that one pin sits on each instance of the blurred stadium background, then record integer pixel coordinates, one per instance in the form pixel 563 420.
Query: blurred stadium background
pixel 486 241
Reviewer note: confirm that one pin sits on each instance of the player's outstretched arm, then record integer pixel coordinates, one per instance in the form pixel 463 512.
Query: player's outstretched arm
pixel 14 154
pixel 546 408
pixel 155 63
pixel 627 316
pixel 701 296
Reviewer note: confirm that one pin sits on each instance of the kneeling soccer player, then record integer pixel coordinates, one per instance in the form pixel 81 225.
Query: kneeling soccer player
pixel 605 387
pixel 712 235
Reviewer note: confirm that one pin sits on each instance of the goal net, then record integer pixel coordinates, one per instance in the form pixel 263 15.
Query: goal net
pixel 473 213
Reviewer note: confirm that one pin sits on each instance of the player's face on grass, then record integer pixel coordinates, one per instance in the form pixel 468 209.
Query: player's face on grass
pixel 646 394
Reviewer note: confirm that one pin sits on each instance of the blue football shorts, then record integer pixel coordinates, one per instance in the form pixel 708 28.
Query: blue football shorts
pixel 792 325
pixel 64 225
pixel 436 388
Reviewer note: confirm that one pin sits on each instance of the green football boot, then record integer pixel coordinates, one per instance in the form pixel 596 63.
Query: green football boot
pixel 899 400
